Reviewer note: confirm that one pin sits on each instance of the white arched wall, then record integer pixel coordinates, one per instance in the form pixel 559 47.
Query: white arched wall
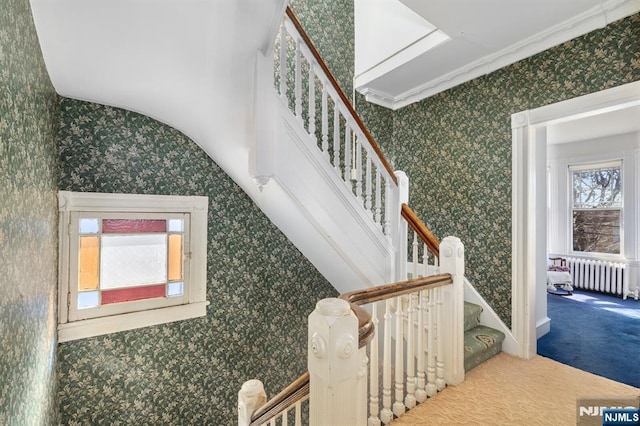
pixel 529 192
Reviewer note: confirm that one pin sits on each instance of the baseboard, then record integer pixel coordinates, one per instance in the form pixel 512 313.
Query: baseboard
pixel 543 327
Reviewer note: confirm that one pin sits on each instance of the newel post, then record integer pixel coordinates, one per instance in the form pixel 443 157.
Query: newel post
pixel 250 397
pixel 333 364
pixel 452 262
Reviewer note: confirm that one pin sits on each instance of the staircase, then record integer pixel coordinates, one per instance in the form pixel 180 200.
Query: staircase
pixel 302 154
pixel 480 342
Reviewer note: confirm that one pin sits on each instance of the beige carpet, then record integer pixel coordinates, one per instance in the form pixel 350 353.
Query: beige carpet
pixel 511 391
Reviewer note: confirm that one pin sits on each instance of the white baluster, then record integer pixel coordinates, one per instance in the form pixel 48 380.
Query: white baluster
pixel 410 399
pixel 374 371
pixel 336 138
pixel 358 168
pixel 312 102
pixel 368 190
pixel 299 413
pixel 431 345
pixel 387 208
pixel 425 260
pixel 285 417
pixel 398 405
pixel 283 61
pixel 386 415
pixel 414 254
pixel 421 394
pixel 377 209
pixel 440 383
pixel 298 81
pixel 325 123
pixel 347 154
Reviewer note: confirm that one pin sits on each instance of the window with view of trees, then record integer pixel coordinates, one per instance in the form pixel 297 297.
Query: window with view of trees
pixel 596 207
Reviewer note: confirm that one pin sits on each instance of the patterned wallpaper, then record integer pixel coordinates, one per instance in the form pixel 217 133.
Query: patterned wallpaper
pixel 456 146
pixel 28 223
pixel 260 287
pixel 330 26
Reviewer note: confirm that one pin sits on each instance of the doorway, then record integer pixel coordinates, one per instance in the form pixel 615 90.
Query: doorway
pixel 529 203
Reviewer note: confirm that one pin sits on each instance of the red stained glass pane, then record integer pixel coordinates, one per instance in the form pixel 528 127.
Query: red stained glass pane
pixel 131 226
pixel 133 293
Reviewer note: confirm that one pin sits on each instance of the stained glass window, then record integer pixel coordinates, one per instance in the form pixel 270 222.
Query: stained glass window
pixel 129 259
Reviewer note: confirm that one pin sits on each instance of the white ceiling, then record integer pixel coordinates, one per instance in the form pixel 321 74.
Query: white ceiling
pixel 484 36
pixel 609 123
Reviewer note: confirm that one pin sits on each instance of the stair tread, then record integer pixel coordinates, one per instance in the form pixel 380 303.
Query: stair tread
pixel 480 344
pixel 471 315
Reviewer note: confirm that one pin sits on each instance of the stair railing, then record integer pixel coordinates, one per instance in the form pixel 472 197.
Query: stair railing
pixel 416 324
pixel 410 347
pixel 304 83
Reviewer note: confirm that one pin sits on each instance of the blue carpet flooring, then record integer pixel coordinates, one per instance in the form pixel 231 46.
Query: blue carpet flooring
pixel 595 333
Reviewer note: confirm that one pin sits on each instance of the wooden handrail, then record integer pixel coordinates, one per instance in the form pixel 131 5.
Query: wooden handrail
pixel 293 393
pixel 299 388
pixel 383 292
pixel 421 229
pixel 296 23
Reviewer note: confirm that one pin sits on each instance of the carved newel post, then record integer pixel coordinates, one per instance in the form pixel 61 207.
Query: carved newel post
pixel 333 364
pixel 250 397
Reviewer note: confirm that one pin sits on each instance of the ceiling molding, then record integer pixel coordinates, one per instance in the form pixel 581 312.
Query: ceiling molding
pixel 597 17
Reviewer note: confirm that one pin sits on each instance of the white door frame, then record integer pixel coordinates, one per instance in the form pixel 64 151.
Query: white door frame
pixel 529 192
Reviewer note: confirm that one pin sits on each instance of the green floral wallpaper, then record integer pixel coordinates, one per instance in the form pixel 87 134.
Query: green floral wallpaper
pixel 28 223
pixel 456 146
pixel 330 26
pixel 260 287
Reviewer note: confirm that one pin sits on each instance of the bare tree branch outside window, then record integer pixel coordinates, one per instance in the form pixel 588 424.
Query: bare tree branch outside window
pixel 596 209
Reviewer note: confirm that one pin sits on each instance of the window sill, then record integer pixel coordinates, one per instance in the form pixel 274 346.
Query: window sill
pixel 129 321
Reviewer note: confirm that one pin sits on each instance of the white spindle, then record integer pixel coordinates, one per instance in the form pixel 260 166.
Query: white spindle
pixel 377 208
pixel 312 102
pixel 398 405
pixel 336 138
pixel 410 399
pixel 299 413
pixel 386 415
pixel 387 208
pixel 347 154
pixel 425 260
pixel 431 345
pixel 298 80
pixel 325 122
pixel 283 61
pixel 368 189
pixel 285 418
pixel 358 167
pixel 440 383
pixel 414 255
pixel 374 404
pixel 421 395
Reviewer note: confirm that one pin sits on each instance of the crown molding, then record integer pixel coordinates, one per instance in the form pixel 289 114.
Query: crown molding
pixel 595 18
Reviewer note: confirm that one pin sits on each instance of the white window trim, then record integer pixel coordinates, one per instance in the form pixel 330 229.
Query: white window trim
pixel 196 206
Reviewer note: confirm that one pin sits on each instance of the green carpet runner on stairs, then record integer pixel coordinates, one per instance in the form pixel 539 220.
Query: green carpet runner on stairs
pixel 480 342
